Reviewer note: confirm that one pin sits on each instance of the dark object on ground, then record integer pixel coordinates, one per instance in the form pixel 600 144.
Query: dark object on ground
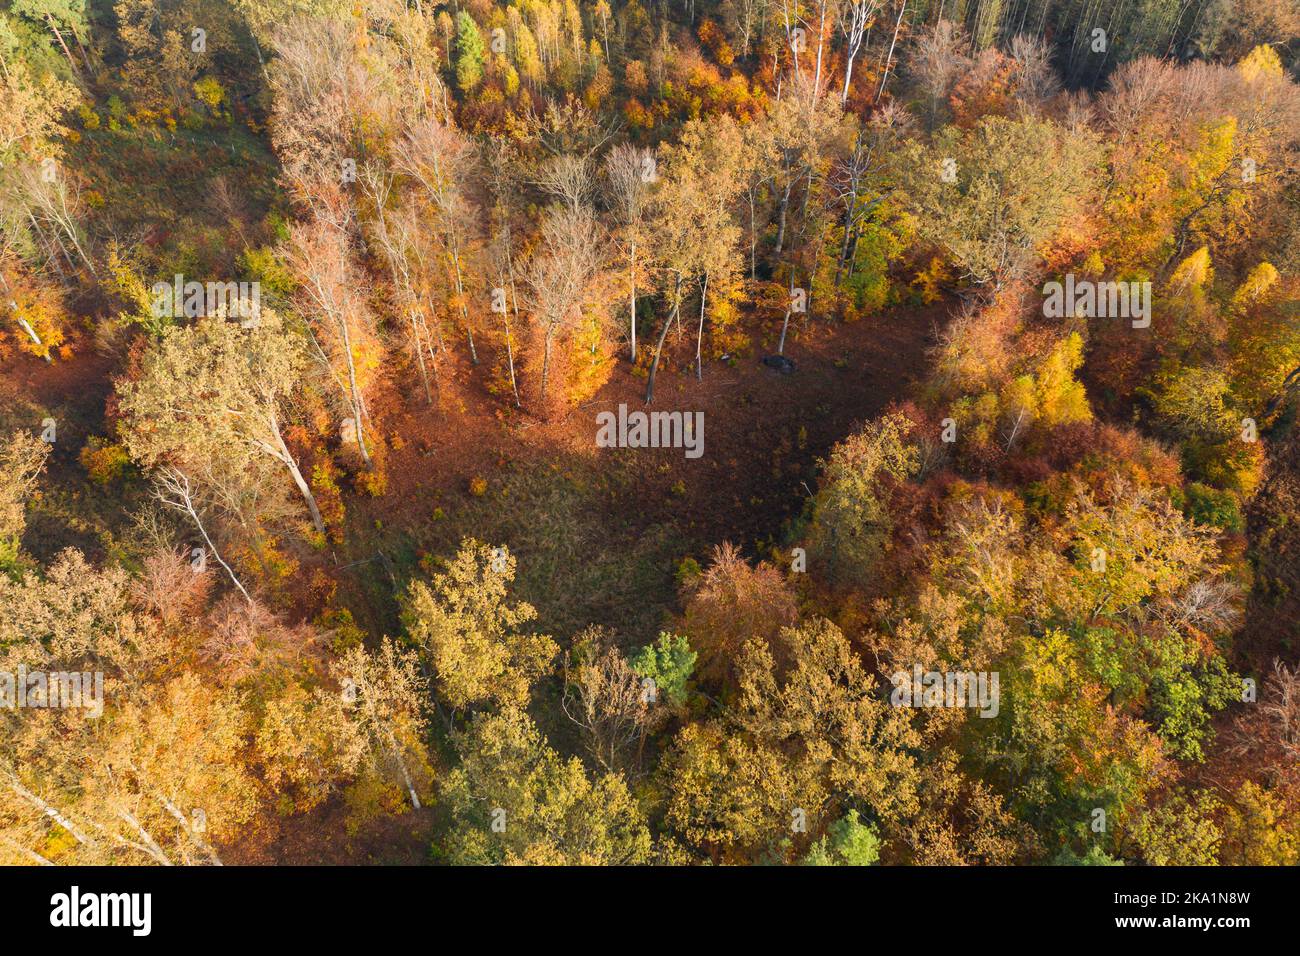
pixel 780 363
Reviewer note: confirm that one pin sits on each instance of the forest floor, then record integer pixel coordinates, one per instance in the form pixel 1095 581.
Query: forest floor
pixel 599 532
pixel 67 510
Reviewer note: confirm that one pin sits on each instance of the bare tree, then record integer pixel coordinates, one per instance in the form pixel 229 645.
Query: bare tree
pixel 172 487
pixel 1282 707
pixel 606 698
pixel 397 237
pixel 1267 734
pixel 937 60
pixel 440 158
pixel 567 178
pixel 1211 605
pixel 320 89
pixel 630 176
pixel 338 317
pixel 53 207
pixel 168 587
pixel 1036 81
pixel 560 275
pixel 502 180
pixel 856 18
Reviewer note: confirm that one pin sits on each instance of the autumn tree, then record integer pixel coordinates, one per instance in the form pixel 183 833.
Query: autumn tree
pixel 1009 186
pixel 851 517
pixel 395 233
pixel 732 603
pixel 319 93
pixel 381 697
pixel 696 230
pixel 476 639
pixel 1058 751
pixel 439 159
pixel 22 459
pixel 342 325
pixel 40 199
pixel 606 698
pixel 809 737
pixel 167 781
pixel 561 281
pixel 631 174
pixel 217 390
pixel 514 800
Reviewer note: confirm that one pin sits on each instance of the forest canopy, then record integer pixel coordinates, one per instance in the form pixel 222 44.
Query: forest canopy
pixel 313 549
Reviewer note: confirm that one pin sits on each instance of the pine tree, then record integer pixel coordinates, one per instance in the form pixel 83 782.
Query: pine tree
pixel 470 54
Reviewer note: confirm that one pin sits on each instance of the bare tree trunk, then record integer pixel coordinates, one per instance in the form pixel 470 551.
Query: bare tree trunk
pixel 81 48
pixel 510 348
pixel 699 334
pixel 358 409
pixel 546 359
pixel 854 31
pixel 884 78
pixel 849 239
pixel 1015 429
pixel 193 834
pixel 460 294
pixel 435 335
pixel 53 26
pixel 753 242
pixel 406 775
pixel 303 488
pixel 514 304
pixel 632 301
pixel 821 43
pixel 51 255
pixel 175 492
pixel 785 208
pixel 419 358
pixel 30 854
pixel 153 849
pixel 659 346
pixel 48 810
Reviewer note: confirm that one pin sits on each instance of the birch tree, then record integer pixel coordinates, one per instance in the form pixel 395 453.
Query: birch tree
pixel 331 296
pixel 381 695
pixel 631 174
pixel 559 279
pixel 856 19
pixel 214 389
pixel 697 234
pixel 439 158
